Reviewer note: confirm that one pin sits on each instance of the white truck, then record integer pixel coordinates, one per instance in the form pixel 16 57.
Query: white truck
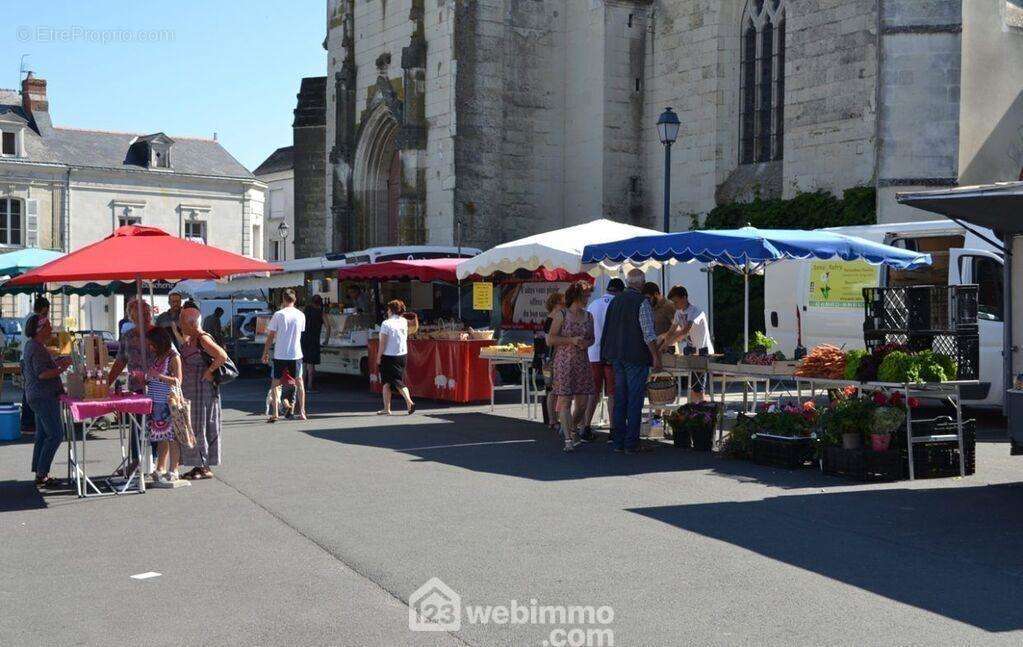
pixel 827 295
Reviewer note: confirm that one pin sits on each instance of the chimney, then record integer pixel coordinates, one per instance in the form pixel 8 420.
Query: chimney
pixel 35 103
pixel 33 95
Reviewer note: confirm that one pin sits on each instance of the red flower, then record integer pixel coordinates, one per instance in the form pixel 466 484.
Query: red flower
pixel 896 399
pixel 913 403
pixel 880 399
pixel 809 405
pixel 849 391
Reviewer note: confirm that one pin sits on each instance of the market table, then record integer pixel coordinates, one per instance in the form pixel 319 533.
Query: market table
pixel 950 391
pixel 78 418
pixel 524 362
pixel 450 371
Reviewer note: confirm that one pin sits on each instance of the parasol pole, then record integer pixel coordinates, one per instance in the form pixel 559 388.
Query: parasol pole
pixel 459 299
pixel 146 454
pixel 745 330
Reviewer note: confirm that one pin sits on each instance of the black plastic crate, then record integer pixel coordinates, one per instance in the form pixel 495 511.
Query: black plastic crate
pixel 920 308
pixel 963 347
pixel 789 453
pixel 865 465
pixel 930 460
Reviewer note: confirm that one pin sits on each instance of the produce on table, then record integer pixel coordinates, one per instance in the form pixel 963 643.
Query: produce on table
pixel 506 349
pixel 852 363
pixel 762 342
pixel 824 361
pixel 759 358
pixel 867 370
pixel 925 366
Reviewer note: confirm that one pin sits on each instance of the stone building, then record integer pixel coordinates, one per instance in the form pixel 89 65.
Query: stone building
pixel 278 173
pixel 516 116
pixel 64 188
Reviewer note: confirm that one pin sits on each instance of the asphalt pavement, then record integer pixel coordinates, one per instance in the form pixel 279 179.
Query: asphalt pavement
pixel 319 532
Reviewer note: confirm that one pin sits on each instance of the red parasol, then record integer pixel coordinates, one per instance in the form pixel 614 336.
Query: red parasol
pixel 426 270
pixel 134 253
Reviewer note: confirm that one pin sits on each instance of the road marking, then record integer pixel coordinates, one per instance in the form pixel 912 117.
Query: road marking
pixel 145 576
pixel 496 442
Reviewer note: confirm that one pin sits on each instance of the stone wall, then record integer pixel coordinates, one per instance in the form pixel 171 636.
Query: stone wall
pixel 919 100
pixel 313 234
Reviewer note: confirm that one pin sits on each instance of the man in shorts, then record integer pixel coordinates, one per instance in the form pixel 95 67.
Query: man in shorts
pixel 691 328
pixel 285 333
pixel 603 373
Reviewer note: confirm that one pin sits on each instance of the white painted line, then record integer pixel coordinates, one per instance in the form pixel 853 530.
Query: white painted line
pixel 145 576
pixel 495 442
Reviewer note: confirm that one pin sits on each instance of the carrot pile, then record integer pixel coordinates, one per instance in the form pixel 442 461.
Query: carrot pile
pixel 824 361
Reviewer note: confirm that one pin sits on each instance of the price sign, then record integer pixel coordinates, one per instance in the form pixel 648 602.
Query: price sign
pixel 482 296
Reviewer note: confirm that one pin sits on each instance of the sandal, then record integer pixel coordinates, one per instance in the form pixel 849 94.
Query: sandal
pixel 271 420
pixel 412 408
pixel 193 474
pixel 47 482
pixel 205 473
pixel 383 413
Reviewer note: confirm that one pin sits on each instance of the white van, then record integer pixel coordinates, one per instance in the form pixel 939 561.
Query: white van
pixel 825 297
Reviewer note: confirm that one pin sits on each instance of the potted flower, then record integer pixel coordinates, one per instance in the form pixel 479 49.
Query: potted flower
pixel 848 418
pixel 693 425
pixel 886 419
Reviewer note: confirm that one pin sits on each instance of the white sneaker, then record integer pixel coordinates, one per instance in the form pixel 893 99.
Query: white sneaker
pixel 161 481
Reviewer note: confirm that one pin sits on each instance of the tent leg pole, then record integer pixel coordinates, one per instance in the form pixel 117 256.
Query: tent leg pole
pixel 146 458
pixel 745 330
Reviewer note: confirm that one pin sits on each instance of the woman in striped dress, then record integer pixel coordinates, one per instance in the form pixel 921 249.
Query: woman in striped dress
pixel 164 374
pixel 198 348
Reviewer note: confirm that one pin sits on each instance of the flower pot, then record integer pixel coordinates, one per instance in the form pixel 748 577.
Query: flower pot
pixel 880 442
pixel 703 439
pixel 851 440
pixel 681 437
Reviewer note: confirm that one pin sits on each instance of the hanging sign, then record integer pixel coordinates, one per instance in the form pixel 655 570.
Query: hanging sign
pixel 482 296
pixel 839 284
pixel 524 305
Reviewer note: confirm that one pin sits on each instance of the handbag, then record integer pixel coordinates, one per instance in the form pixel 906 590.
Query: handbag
pixel 227 371
pixel 181 417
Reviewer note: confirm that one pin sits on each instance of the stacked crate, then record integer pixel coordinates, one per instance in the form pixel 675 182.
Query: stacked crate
pixel 938 318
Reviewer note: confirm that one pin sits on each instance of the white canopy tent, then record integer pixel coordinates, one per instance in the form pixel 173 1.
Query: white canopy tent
pixel 558 249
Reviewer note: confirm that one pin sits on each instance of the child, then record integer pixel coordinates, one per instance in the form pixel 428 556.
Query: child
pixel 164 374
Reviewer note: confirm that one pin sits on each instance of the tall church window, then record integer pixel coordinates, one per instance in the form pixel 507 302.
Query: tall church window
pixel 762 82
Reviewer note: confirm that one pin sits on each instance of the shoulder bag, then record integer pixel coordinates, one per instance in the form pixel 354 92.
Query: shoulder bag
pixel 227 371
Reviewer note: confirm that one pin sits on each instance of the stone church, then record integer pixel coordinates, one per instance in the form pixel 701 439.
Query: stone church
pixel 501 118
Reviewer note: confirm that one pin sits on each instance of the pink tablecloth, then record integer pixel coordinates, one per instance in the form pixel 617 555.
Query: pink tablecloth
pixel 85 409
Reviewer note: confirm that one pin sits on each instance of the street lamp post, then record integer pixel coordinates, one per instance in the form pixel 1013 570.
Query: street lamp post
pixel 282 230
pixel 667 131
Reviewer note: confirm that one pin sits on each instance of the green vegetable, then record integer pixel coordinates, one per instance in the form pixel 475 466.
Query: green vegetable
pixel 949 364
pixel 896 367
pixel 852 363
pixel 762 342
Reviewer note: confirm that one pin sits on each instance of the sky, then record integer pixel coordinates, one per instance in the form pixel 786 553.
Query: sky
pixel 184 67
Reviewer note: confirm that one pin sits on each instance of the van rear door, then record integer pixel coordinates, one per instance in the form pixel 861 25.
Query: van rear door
pixel 984 268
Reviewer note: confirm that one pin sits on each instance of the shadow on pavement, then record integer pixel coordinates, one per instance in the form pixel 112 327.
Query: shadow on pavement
pixel 957 552
pixel 510 447
pixel 20 495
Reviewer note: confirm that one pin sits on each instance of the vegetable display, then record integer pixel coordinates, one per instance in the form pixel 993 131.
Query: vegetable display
pixel 925 366
pixel 825 361
pixel 852 363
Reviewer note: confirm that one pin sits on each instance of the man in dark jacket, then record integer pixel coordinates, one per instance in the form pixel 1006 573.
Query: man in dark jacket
pixel 629 343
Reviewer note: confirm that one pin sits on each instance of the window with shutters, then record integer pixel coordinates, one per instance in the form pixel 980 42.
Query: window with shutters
pixel 762 82
pixel 11 221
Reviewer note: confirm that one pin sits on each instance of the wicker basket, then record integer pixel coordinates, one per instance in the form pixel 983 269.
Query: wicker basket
pixel 481 335
pixel 661 389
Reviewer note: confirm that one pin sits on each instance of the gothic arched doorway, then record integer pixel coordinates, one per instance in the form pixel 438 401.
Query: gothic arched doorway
pixel 377 183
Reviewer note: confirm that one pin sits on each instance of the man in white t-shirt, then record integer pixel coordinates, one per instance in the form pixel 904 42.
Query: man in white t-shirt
pixel 603 373
pixel 285 333
pixel 690 327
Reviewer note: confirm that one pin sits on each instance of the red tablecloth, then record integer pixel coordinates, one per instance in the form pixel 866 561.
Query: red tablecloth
pixel 86 409
pixel 441 370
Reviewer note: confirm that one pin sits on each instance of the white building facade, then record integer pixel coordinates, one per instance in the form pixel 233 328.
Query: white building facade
pixel 64 188
pixel 277 172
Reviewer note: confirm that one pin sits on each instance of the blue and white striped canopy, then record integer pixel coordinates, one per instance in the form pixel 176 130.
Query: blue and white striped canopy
pixel 749 246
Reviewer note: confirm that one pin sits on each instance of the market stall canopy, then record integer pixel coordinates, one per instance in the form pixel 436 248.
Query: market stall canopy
pixel 23 260
pixel 561 249
pixel 749 246
pixel 426 270
pixel 996 206
pixel 134 253
pixel 242 287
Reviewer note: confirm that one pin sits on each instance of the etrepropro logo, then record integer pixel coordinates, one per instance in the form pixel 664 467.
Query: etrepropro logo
pixel 435 606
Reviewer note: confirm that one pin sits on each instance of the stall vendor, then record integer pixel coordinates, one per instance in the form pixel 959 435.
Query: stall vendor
pixel 690 326
pixel 358 299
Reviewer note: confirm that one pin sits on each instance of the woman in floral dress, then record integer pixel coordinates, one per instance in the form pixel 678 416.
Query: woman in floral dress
pixel 199 389
pixel 163 375
pixel 571 334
